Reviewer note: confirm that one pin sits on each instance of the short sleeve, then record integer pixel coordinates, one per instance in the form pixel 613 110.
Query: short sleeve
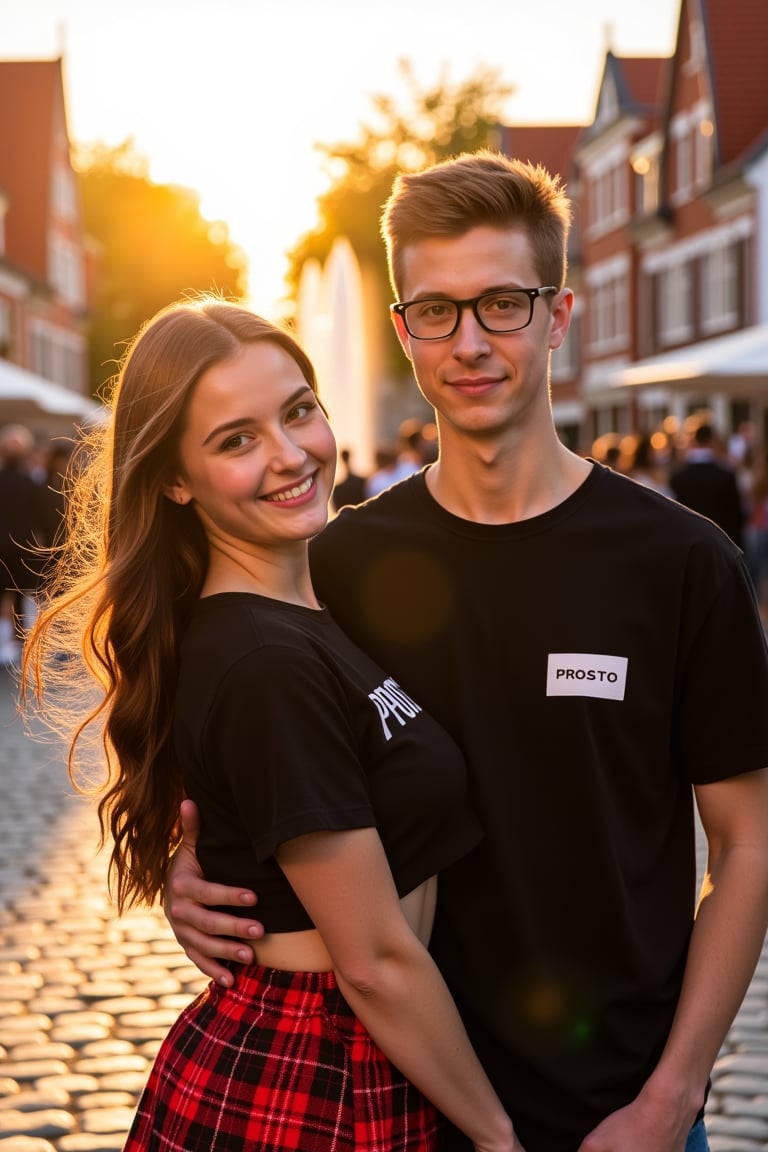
pixel 722 683
pixel 281 736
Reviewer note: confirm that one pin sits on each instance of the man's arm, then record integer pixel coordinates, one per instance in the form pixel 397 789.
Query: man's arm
pixel 727 938
pixel 188 901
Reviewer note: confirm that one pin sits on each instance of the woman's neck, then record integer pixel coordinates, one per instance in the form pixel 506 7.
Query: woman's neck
pixel 280 575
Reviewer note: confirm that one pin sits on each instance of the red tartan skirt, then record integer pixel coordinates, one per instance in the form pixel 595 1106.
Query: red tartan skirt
pixel 278 1062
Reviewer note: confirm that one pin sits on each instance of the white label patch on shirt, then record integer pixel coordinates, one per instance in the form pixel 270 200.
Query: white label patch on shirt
pixel 584 674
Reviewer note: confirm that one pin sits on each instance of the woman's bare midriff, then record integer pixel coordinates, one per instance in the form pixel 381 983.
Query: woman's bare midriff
pixel 306 952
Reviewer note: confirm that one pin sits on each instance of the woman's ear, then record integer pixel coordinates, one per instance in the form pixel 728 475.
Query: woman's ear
pixel 177 492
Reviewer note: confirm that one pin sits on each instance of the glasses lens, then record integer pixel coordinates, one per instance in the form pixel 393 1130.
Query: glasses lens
pixel 430 319
pixel 505 311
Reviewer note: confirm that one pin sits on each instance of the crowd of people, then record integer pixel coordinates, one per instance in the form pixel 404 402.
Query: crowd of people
pixel 415 446
pixel 722 478
pixel 513 668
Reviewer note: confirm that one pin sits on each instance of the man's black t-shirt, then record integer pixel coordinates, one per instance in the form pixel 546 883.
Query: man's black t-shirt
pixel 593 663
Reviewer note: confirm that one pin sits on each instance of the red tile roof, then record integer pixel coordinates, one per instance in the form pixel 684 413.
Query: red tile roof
pixel 737 42
pixel 550 145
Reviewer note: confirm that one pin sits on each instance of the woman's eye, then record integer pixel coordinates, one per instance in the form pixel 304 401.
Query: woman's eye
pixel 232 443
pixel 300 410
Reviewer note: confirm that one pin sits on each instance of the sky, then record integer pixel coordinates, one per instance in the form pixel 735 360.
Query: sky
pixel 229 97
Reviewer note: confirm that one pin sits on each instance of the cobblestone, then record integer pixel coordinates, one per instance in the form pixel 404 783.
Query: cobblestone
pixel 86 997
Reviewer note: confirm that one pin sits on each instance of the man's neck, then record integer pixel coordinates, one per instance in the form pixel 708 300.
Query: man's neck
pixel 498 483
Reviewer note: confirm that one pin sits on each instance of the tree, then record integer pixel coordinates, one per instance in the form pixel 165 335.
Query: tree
pixel 434 123
pixel 153 246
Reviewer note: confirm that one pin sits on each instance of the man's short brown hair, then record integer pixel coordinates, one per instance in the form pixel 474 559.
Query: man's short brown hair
pixel 479 189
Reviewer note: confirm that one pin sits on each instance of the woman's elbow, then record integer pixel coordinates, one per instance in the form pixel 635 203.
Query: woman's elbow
pixel 377 975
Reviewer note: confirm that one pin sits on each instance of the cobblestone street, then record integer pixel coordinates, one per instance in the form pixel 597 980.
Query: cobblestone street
pixel 86 997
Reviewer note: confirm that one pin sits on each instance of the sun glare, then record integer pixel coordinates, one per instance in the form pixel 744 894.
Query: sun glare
pixel 228 97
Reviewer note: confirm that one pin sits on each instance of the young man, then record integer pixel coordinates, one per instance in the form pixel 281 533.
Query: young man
pixel 596 650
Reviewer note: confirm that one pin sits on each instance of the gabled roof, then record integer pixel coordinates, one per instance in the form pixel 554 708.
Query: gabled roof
pixel 736 34
pixel 550 145
pixel 31 96
pixel 643 82
pixel 630 86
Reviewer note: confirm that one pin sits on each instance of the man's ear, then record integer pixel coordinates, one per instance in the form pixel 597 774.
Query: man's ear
pixel 562 309
pixel 402 334
pixel 177 492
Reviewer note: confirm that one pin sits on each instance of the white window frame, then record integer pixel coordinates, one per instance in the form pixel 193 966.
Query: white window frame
pixel 674 303
pixel 67 269
pixel 56 354
pixel 720 288
pixel 607 180
pixel 609 322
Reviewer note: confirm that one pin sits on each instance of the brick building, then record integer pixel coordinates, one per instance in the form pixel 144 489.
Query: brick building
pixel 44 267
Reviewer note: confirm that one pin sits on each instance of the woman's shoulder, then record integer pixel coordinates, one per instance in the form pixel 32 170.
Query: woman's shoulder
pixel 232 626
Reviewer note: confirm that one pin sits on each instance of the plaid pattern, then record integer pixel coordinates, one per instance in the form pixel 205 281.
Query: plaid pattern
pixel 278 1062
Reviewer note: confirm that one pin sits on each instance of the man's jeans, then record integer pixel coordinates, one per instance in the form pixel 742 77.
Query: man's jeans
pixel 697 1139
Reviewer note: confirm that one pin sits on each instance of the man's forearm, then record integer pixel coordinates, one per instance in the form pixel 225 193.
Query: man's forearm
pixel 725 946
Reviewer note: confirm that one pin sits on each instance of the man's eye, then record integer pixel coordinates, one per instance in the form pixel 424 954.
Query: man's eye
pixel 434 310
pixel 509 302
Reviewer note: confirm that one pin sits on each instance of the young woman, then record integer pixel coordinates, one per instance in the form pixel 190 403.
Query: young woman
pixel 183 583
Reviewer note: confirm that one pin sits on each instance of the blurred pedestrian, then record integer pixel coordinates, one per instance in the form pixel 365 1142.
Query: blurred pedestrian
pixel 350 489
pixel 708 485
pixel 606 449
pixel 21 531
pixel 642 464
pixel 53 498
pixel 756 532
pixel 412 453
pixel 385 471
pixel 397 460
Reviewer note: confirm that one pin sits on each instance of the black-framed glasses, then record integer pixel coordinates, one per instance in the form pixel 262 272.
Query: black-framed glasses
pixel 505 310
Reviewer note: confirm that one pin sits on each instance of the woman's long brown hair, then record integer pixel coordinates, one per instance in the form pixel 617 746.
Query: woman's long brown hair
pixel 100 662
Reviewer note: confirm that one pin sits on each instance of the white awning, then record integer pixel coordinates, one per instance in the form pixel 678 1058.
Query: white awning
pixel 28 398
pixel 736 363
